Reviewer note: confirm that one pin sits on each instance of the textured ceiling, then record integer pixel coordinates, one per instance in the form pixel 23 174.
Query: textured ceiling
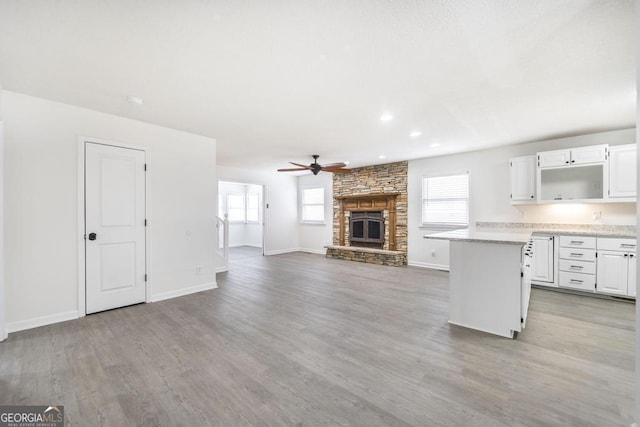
pixel 274 81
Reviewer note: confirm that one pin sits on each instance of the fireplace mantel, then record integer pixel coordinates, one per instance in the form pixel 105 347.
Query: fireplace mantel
pixel 369 202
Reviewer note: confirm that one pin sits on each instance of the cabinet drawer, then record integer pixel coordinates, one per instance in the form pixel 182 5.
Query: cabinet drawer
pixel 616 244
pixel 583 282
pixel 577 266
pixel 578 242
pixel 578 254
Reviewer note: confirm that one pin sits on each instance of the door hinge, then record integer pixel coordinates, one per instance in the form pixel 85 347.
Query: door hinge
pixel 145 222
pixel 511 196
pixel 521 274
pixel 510 163
pixel 145 166
pixel 522 320
pixel 145 277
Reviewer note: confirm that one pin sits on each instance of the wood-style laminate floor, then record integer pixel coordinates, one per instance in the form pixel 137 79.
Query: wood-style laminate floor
pixel 299 339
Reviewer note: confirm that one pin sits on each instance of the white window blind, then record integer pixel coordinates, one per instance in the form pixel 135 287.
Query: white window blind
pixel 313 204
pixel 445 201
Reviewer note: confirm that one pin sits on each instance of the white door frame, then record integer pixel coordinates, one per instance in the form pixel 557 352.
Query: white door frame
pixel 263 206
pixel 82 278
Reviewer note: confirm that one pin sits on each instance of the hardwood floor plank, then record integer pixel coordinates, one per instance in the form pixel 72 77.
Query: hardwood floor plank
pixel 298 339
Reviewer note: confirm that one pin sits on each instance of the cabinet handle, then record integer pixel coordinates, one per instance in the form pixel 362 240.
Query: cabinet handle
pixel 573 161
pixel 532 197
pixel 576 254
pixel 567 162
pixel 575 281
pixel 626 255
pixel 627 245
pixel 577 242
pixel 630 255
pixel 579 267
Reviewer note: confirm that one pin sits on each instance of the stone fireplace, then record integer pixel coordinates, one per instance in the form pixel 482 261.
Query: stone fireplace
pixel 370 215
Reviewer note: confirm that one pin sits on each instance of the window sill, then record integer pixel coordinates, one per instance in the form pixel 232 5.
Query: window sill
pixel 313 223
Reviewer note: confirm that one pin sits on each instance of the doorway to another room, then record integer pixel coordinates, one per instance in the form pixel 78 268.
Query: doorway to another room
pixel 242 205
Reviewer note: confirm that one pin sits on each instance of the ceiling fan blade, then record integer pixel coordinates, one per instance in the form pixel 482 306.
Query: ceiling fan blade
pixel 292 169
pixel 336 170
pixel 302 166
pixel 334 165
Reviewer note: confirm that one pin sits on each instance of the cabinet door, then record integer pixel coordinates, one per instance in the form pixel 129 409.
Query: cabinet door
pixel 523 178
pixel 612 272
pixel 622 171
pixel 631 275
pixel 542 263
pixel 548 159
pixel 584 155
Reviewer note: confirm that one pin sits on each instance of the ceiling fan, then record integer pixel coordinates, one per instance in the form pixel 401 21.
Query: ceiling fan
pixel 316 167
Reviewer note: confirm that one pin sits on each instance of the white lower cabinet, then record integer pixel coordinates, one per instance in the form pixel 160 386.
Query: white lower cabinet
pixel 616 267
pixel 542 262
pixel 577 263
pixel 631 276
pixel 613 272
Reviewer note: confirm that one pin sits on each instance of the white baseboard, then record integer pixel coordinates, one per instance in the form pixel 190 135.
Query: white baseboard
pixel 313 251
pixel 443 267
pixel 239 245
pixel 184 291
pixel 282 251
pixel 21 325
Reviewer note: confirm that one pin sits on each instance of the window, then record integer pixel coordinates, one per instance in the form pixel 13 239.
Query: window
pixel 445 201
pixel 313 205
pixel 253 207
pixel 235 207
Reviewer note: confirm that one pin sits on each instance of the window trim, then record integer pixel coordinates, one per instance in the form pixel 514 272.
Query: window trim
pixel 323 204
pixel 444 226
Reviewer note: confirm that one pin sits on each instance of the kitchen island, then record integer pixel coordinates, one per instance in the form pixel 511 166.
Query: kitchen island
pixel 487 289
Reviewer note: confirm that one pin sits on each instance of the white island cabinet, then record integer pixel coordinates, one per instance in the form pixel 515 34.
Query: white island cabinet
pixel 486 287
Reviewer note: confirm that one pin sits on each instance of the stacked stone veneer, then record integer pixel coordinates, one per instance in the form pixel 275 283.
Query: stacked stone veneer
pixel 388 178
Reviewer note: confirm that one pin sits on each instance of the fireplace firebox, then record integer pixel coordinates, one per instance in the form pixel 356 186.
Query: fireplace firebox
pixel 366 229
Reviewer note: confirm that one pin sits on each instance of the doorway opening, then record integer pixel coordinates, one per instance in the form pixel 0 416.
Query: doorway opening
pixel 242 205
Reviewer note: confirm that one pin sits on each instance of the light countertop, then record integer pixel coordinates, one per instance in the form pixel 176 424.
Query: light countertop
pixel 473 235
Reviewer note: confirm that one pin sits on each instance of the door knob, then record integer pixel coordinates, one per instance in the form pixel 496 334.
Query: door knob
pixel 93 236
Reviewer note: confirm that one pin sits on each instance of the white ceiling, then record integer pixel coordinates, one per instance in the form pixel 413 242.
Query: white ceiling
pixel 275 80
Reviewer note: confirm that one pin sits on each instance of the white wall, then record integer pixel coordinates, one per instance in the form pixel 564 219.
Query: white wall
pixel 41 192
pixel 280 218
pixel 3 329
pixel 314 237
pixel 489 193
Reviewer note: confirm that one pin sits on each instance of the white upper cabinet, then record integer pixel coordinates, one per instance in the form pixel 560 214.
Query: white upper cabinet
pixel 622 172
pixel 586 155
pixel 548 159
pixel 573 156
pixel 522 171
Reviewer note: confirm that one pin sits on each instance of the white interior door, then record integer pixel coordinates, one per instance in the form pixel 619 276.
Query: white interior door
pixel 114 227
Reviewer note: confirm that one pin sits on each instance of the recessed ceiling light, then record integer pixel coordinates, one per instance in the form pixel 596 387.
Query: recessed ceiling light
pixel 381 156
pixel 135 100
pixel 415 133
pixel 386 117
pixel 434 145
